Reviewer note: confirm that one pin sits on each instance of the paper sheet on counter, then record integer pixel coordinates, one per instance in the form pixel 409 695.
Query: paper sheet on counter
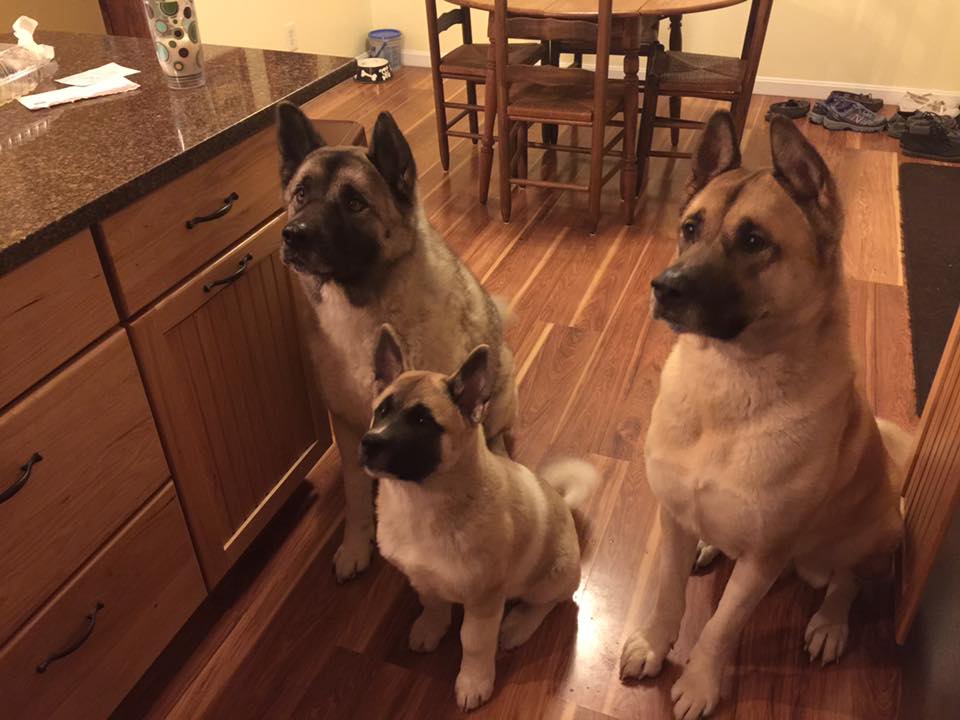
pixel 110 86
pixel 99 74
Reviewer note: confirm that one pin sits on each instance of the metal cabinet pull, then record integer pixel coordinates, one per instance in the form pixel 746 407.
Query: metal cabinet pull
pixel 75 645
pixel 241 269
pixel 219 213
pixel 25 471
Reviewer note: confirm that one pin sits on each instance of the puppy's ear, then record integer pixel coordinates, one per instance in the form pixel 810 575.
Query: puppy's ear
pixel 391 155
pixel 469 386
pixel 717 152
pixel 388 359
pixel 801 171
pixel 296 139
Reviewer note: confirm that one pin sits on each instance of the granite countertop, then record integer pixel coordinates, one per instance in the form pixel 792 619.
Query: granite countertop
pixel 65 168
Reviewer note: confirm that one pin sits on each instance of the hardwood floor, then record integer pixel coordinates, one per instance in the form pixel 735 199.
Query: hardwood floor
pixel 279 638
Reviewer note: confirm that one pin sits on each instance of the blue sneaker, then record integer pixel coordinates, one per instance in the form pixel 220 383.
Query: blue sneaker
pixel 839 114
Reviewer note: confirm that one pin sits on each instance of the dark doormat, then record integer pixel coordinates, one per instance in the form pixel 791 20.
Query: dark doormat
pixel 930 212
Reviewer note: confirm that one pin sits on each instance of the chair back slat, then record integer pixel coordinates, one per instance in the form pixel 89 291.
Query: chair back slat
pixel 756 30
pixel 535 28
pixel 449 19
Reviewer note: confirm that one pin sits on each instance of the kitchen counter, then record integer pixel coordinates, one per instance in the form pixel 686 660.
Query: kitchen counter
pixel 64 168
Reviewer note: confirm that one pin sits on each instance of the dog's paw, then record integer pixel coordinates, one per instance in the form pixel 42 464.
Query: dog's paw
pixel 519 624
pixel 427 631
pixel 706 554
pixel 825 639
pixel 641 658
pixel 696 693
pixel 352 557
pixel 473 689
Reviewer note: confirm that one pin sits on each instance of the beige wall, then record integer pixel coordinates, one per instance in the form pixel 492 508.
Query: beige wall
pixel 336 27
pixel 874 42
pixel 74 15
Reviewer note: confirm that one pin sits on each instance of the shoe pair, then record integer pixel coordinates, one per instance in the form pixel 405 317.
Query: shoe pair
pixel 920 123
pixel 927 103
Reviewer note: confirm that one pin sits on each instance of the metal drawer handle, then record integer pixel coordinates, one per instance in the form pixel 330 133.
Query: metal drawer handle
pixel 25 471
pixel 75 645
pixel 241 269
pixel 219 213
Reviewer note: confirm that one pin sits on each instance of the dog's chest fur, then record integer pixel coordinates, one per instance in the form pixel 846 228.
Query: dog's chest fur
pixel 731 459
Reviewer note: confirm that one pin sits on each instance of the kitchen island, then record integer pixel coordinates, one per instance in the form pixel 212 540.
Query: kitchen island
pixel 155 410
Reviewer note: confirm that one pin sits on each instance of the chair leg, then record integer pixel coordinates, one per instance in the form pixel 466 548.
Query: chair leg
pixel 522 159
pixel 739 109
pixel 648 116
pixel 550 132
pixel 676 44
pixel 505 148
pixel 628 167
pixel 489 118
pixel 441 115
pixel 472 118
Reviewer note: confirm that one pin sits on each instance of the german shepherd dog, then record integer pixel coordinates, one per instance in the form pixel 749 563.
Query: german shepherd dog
pixel 365 255
pixel 464 524
pixel 761 442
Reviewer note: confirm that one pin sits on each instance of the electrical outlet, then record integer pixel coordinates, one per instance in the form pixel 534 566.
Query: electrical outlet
pixel 291 36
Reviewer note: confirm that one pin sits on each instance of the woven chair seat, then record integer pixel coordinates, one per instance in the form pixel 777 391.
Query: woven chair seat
pixel 682 69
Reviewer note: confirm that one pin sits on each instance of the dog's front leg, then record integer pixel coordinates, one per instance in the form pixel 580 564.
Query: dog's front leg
pixel 353 555
pixel 481 628
pixel 645 650
pixel 697 691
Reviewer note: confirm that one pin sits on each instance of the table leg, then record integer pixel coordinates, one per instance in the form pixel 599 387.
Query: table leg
pixel 631 65
pixel 489 120
pixel 548 131
pixel 676 45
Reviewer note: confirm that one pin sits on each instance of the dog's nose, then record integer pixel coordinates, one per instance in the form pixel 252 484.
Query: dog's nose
pixel 295 230
pixel 371 445
pixel 671 285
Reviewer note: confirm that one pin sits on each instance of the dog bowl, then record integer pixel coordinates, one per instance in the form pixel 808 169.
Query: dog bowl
pixel 373 70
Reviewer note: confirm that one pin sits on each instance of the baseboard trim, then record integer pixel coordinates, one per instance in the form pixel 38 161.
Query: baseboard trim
pixel 766 85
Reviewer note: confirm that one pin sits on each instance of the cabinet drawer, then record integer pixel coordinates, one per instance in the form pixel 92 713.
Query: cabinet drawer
pixel 148 244
pixel 146 583
pixel 222 364
pixel 101 459
pixel 51 308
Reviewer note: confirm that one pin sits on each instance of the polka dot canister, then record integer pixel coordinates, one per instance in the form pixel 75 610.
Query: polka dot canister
pixel 176 37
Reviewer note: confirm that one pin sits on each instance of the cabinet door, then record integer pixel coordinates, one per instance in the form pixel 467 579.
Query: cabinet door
pixel 222 363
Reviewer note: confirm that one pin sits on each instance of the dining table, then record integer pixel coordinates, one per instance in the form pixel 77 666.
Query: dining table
pixel 633 31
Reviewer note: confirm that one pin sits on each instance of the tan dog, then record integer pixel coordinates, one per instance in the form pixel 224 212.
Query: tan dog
pixel 760 441
pixel 463 524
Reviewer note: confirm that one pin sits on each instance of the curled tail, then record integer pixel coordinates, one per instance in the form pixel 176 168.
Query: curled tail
pixel 575 480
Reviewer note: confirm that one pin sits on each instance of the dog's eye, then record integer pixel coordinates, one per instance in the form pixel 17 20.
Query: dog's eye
pixel 383 409
pixel 419 414
pixel 356 204
pixel 299 193
pixel 689 230
pixel 754 243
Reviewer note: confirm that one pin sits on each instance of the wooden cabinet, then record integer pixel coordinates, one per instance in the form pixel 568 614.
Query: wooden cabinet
pixel 115 616
pixel 84 452
pixel 50 309
pixel 222 363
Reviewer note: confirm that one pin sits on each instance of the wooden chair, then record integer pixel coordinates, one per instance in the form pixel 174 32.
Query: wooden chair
pixel 468 63
pixel 560 96
pixel 682 74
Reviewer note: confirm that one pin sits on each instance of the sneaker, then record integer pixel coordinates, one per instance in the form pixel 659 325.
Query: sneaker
pixel 920 123
pixel 928 102
pixel 792 109
pixel 867 100
pixel 938 144
pixel 846 115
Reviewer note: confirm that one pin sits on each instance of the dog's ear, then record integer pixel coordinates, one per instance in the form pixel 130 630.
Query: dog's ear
pixel 801 171
pixel 391 155
pixel 798 165
pixel 388 359
pixel 717 152
pixel 469 386
pixel 296 138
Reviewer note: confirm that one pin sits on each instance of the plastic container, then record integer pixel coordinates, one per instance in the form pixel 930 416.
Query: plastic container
pixel 20 72
pixel 386 43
